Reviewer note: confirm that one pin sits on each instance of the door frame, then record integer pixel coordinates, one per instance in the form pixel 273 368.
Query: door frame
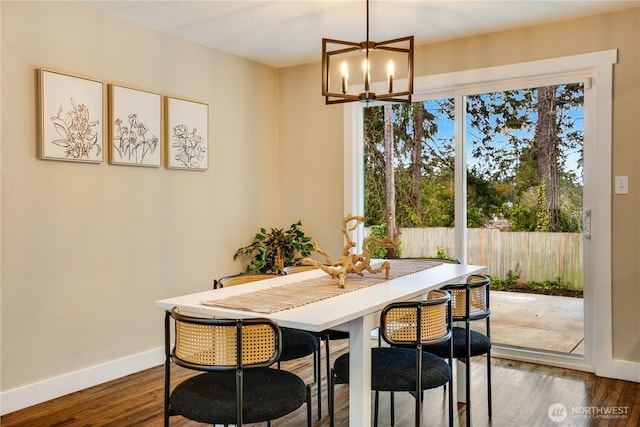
pixel 596 71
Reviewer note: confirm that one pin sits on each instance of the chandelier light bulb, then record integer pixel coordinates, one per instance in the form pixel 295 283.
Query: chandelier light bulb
pixel 345 76
pixel 390 75
pixel 366 68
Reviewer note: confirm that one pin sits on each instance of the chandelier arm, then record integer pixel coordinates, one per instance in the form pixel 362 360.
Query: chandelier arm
pixel 341 95
pixel 386 96
pixel 346 43
pixel 393 49
pixel 398 40
pixel 341 51
pixel 339 101
pixel 398 100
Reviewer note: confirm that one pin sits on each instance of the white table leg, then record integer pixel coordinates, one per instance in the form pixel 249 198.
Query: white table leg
pixel 360 370
pixel 461 381
pixel 461 375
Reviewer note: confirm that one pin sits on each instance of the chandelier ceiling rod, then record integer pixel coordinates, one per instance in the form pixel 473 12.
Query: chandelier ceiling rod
pixel 366 55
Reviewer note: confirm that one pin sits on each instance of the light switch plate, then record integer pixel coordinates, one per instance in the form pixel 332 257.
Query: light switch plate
pixel 622 185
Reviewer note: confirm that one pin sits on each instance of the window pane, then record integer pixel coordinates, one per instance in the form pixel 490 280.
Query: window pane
pixel 423 173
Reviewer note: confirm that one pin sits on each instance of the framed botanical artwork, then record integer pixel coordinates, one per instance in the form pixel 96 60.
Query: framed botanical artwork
pixel 135 124
pixel 187 134
pixel 71 117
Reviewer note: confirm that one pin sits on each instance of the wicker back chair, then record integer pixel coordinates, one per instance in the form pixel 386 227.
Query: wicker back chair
pixel 470 302
pixel 237 385
pixel 295 343
pixel 407 327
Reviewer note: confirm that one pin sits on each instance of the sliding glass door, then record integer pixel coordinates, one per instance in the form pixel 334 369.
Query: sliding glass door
pixel 501 172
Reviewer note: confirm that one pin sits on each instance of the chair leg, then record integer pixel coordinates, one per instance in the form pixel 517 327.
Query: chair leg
pixel 467 368
pixel 308 405
pixel 489 381
pixel 316 356
pixel 167 368
pixel 450 387
pixel 451 402
pixel 375 408
pixel 332 384
pixel 317 362
pixel 418 412
pixel 328 361
pixel 392 410
pixel 166 394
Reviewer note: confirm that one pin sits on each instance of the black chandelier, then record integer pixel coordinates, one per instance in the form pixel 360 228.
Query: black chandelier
pixel 391 57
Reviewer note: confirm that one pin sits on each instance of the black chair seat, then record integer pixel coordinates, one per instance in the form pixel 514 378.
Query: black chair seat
pixel 480 344
pixel 211 398
pixel 394 369
pixel 297 344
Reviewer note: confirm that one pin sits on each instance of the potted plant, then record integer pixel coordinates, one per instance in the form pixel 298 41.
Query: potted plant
pixel 272 250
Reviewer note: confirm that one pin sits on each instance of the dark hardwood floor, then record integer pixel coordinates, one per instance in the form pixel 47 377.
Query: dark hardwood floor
pixel 522 396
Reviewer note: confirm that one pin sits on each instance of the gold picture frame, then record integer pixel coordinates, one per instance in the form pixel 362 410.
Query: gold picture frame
pixel 187 134
pixel 135 127
pixel 70 117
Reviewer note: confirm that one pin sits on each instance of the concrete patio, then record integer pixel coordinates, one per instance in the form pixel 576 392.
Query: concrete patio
pixel 542 322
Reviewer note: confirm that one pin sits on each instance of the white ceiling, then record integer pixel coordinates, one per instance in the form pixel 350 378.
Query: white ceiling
pixel 282 33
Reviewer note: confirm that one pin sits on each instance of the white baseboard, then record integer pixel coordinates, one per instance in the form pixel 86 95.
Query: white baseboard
pixel 611 368
pixel 620 369
pixel 32 394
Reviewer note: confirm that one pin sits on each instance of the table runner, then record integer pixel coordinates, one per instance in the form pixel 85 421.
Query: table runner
pixel 296 294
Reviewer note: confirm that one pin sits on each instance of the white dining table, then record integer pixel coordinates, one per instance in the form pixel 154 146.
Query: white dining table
pixel 356 312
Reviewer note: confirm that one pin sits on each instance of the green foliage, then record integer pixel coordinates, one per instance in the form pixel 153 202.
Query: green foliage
pixel 521 218
pixel 484 201
pixel 512 283
pixel 272 250
pixel 442 254
pixel 512 279
pixel 547 286
pixel 502 181
pixel 543 216
pixel 380 231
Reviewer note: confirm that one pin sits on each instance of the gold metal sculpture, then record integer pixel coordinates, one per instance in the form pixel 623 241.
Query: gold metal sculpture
pixel 352 263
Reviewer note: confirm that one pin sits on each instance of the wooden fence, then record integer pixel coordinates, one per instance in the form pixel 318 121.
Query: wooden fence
pixel 533 256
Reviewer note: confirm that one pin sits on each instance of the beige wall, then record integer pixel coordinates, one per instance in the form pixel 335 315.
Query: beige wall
pixel 86 249
pixel 310 127
pixel 311 169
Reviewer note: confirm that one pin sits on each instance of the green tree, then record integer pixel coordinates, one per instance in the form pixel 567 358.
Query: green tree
pixel 389 179
pixel 539 126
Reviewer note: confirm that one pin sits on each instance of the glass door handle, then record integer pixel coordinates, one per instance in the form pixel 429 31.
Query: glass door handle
pixel 586 224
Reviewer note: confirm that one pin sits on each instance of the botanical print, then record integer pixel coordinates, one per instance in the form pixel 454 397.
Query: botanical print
pixel 76 132
pixel 187 142
pixel 135 118
pixel 131 142
pixel 70 117
pixel 188 147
